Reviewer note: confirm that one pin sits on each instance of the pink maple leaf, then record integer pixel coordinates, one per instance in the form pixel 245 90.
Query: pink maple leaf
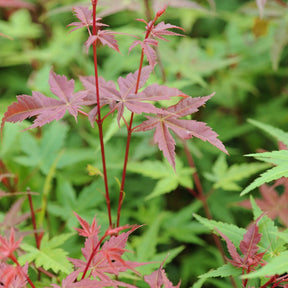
pixel 154 31
pixel 88 283
pixel 137 103
pixel 185 129
pixel 125 97
pixel 158 279
pixel 146 45
pixel 12 276
pixel 161 29
pixel 87 231
pixel 108 258
pixel 249 248
pixel 84 14
pixel 272 203
pixel 8 246
pixel 44 108
pixel 106 37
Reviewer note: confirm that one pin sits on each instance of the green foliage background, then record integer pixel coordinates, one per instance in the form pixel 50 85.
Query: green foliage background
pixel 229 50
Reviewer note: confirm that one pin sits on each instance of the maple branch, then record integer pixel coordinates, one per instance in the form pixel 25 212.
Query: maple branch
pixel 202 197
pixel 98 119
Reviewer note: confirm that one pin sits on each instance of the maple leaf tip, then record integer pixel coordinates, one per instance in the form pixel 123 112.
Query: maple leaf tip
pixel 161 12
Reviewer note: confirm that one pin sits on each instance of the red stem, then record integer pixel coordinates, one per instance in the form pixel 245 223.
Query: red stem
pixel 92 255
pixel 98 119
pixel 13 258
pixel 129 133
pixel 130 130
pixel 37 238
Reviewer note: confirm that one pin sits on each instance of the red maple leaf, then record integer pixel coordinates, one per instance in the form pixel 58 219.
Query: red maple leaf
pixel 84 14
pixel 248 246
pixel 158 279
pixel 125 97
pixel 88 283
pixel 88 230
pixel 107 259
pixel 146 45
pixel 12 276
pixel 185 129
pixel 161 29
pixel 44 108
pixel 8 246
pixel 272 203
pixel 152 32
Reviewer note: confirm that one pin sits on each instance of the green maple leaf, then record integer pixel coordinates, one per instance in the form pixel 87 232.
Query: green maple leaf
pixel 49 256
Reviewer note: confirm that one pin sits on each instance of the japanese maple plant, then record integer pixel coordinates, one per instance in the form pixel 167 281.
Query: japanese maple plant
pixel 103 255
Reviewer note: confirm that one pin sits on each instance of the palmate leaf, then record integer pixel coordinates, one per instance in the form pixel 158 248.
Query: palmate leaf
pixel 226 178
pixel 41 153
pixel 233 232
pixel 266 177
pixel 184 129
pixel 277 266
pixel 275 157
pixel 154 31
pixel 168 180
pixel 223 271
pixel 125 97
pixel 271 202
pixel 44 108
pixel 277 133
pixel 271 238
pixel 49 256
pixel 158 278
pixel 249 248
pixel 107 259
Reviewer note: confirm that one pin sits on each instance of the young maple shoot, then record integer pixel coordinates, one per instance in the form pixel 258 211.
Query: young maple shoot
pixel 47 109
pixel 104 258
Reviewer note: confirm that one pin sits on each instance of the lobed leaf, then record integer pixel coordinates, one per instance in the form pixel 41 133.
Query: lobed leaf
pixel 48 256
pixel 223 271
pixel 266 177
pixel 185 129
pixel 277 266
pixel 44 108
pixel 233 232
pixel 277 133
